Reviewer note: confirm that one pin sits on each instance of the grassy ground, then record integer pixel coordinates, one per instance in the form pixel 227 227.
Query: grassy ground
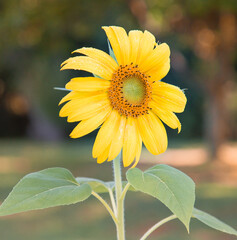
pixel 89 220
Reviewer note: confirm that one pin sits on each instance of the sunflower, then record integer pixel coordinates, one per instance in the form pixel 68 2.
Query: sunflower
pixel 126 96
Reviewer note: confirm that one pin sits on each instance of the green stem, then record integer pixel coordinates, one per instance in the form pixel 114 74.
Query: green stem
pixel 153 228
pixel 119 201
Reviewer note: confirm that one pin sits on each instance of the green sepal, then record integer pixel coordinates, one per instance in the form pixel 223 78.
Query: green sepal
pixel 213 222
pixel 172 187
pixel 62 89
pixel 111 52
pixel 97 76
pixel 47 188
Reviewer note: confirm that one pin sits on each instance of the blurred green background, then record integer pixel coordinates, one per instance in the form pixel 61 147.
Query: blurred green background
pixel 38 35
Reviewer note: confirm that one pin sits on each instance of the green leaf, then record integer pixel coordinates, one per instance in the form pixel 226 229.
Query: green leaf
pixel 100 186
pixel 213 222
pixel 172 187
pixel 47 188
pixel 96 184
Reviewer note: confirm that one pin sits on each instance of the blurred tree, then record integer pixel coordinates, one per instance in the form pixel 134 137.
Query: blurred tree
pixel 36 37
pixel 208 29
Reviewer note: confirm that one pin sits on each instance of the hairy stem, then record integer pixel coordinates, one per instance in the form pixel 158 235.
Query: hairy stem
pixel 119 200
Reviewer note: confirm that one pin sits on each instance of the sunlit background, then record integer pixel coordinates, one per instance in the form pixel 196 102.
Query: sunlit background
pixel 36 36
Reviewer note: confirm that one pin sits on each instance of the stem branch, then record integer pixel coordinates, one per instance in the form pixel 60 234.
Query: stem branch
pixel 111 194
pixel 153 228
pixel 106 206
pixel 125 191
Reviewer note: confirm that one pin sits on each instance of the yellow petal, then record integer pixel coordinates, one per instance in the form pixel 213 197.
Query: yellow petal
pixel 153 133
pixel 89 125
pixel 90 65
pixel 105 134
pixel 138 151
pixel 130 141
pixel 100 56
pixel 102 158
pixel 156 74
pixel 76 95
pixel 69 96
pixel 147 134
pixel 134 38
pixel 146 46
pixel 88 84
pixel 169 97
pixel 120 43
pixel 166 116
pixel 76 104
pixel 88 111
pixel 117 141
pixel 157 58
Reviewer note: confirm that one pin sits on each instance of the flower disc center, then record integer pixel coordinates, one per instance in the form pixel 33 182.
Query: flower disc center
pixel 130 91
pixel 133 90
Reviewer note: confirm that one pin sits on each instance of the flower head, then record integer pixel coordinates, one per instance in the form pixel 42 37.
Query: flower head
pixel 126 96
